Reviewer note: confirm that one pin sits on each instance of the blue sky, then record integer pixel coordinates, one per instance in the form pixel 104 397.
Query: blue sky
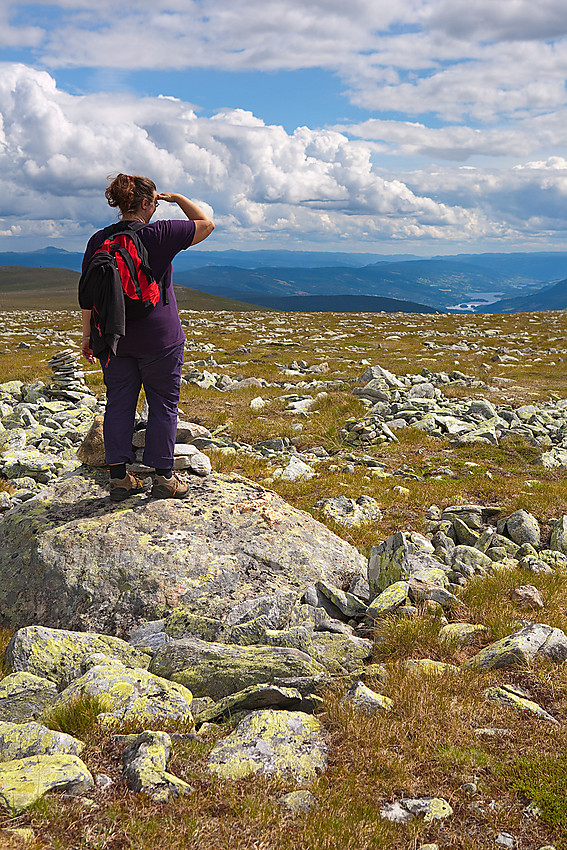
pixel 424 126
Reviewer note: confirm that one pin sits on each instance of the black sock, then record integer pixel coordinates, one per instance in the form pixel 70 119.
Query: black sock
pixel 165 473
pixel 117 470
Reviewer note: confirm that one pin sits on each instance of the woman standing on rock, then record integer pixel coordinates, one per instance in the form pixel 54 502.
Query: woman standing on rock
pixel 150 353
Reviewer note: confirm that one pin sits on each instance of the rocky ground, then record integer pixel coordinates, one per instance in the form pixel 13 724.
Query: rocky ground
pixel 353 631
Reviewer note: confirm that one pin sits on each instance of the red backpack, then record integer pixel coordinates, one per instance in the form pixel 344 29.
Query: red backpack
pixel 118 284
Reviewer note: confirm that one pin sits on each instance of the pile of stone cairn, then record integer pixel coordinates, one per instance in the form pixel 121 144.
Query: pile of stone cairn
pixel 68 380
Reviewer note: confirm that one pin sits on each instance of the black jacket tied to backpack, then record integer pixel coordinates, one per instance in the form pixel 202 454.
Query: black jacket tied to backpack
pixel 117 284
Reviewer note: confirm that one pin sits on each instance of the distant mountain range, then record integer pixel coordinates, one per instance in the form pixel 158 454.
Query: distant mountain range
pixel 471 282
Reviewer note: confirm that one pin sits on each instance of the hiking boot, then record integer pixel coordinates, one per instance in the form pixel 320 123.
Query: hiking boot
pixel 169 488
pixel 121 488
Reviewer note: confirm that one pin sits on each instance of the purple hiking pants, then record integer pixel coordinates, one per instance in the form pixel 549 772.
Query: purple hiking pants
pixel 160 375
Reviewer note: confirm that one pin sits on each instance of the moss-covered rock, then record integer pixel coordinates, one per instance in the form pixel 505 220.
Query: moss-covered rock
pixel 559 536
pixel 460 633
pixel 58 655
pixel 388 563
pixel 361 696
pixel 429 808
pixel 272 743
pixel 145 762
pixel 521 647
pixel 429 666
pixel 348 652
pixel 181 623
pixel 130 694
pixel 20 740
pixel 24 781
pixel 348 604
pixel 72 558
pixel 218 670
pixel 24 696
pixel 389 600
pixel 511 697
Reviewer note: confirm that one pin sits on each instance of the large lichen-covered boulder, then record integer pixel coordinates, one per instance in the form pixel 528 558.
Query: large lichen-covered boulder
pixel 284 744
pixel 24 781
pixel 218 670
pixel 72 558
pixel 58 654
pixel 130 694
pixel 21 740
pixel 24 696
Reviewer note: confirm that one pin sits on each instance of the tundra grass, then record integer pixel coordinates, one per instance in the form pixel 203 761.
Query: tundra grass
pixel 432 743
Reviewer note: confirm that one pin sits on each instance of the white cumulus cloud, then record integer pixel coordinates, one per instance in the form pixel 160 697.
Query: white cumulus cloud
pixel 57 150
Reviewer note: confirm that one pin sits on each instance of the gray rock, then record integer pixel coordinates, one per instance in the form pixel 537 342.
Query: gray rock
pixel 111 566
pixel 25 781
pixel 282 744
pixel 523 528
pixel 251 699
pixel 24 697
pixel 21 740
pixel 218 670
pixel 145 762
pixel 388 563
pixel 360 696
pixel 59 655
pixel 559 536
pixel 522 647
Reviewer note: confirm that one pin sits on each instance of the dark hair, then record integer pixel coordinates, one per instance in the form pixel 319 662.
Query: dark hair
pixel 127 191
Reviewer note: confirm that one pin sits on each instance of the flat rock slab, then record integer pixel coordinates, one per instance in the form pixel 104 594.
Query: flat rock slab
pixel 218 670
pixel 24 781
pixel 285 744
pixel 72 558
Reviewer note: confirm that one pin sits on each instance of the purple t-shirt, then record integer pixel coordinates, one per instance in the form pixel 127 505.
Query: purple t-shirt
pixel 160 329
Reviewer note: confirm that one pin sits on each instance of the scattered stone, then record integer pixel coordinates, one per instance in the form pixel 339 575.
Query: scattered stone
pixel 523 528
pixel 404 811
pixel 512 697
pixel 299 802
pixel 527 596
pixel 145 762
pixel 360 696
pixel 461 633
pixel 522 647
pixel 91 450
pixel 504 839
